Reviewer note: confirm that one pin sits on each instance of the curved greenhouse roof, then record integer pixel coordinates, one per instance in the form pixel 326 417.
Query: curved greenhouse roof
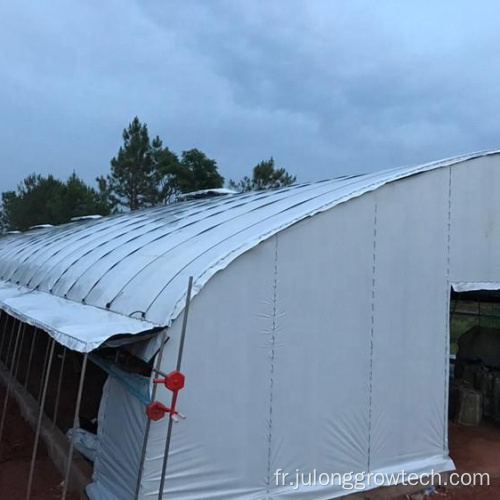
pixel 85 282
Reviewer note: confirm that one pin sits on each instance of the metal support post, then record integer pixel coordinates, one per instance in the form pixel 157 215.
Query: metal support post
pixel 40 418
pixel 75 426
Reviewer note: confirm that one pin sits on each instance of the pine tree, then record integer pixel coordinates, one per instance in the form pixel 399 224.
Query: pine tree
pixel 264 176
pixel 132 181
pixel 198 172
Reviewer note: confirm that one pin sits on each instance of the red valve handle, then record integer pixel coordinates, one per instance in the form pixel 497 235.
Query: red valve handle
pixel 156 411
pixel 174 381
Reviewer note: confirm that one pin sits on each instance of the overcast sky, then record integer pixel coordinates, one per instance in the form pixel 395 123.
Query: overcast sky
pixel 327 87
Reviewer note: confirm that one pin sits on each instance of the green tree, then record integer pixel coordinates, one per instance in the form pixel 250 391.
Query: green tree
pixel 168 174
pixel 145 173
pixel 264 176
pixel 132 181
pixel 80 199
pixel 197 171
pixel 105 194
pixel 47 200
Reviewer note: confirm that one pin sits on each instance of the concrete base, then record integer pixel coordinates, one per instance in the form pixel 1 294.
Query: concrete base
pixel 56 442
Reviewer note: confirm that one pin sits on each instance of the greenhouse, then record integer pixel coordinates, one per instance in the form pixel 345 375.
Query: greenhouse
pixel 313 323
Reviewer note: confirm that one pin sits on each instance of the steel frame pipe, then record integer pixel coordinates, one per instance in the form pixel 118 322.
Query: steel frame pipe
pixel 178 367
pixel 75 426
pixel 148 420
pixel 9 344
pixel 9 383
pixel 42 380
pixel 40 418
pixel 30 359
pixel 19 356
pixel 59 384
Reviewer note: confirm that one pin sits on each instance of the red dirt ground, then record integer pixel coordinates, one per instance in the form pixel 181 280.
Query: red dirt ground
pixel 476 449
pixel 15 456
pixel 473 449
pixel 491 492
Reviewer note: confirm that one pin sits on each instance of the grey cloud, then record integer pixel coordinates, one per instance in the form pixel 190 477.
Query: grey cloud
pixel 325 87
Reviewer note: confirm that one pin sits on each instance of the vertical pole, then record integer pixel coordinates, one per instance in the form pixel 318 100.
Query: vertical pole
pixel 40 418
pixel 4 335
pixel 9 383
pixel 59 383
pixel 9 361
pixel 479 308
pixel 42 380
pixel 9 344
pixel 179 362
pixel 75 426
pixel 4 329
pixel 148 420
pixel 19 356
pixel 30 359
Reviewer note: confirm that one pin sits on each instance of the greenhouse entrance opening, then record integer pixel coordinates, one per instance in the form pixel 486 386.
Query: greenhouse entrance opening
pixel 474 384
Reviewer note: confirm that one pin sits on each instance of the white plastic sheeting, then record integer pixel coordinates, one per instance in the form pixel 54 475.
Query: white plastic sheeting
pixel 68 322
pixel 474 286
pixel 85 442
pixel 326 347
pixel 323 374
pixel 137 264
pixel 119 441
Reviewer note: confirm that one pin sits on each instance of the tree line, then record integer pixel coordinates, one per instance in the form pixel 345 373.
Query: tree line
pixel 144 173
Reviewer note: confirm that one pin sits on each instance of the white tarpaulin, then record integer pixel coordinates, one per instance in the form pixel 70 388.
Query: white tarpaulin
pixel 137 264
pixel 323 345
pixel 78 327
pixel 324 349
pixel 474 286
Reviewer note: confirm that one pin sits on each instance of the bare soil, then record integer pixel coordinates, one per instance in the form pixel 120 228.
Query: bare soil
pixel 474 450
pixel 15 456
